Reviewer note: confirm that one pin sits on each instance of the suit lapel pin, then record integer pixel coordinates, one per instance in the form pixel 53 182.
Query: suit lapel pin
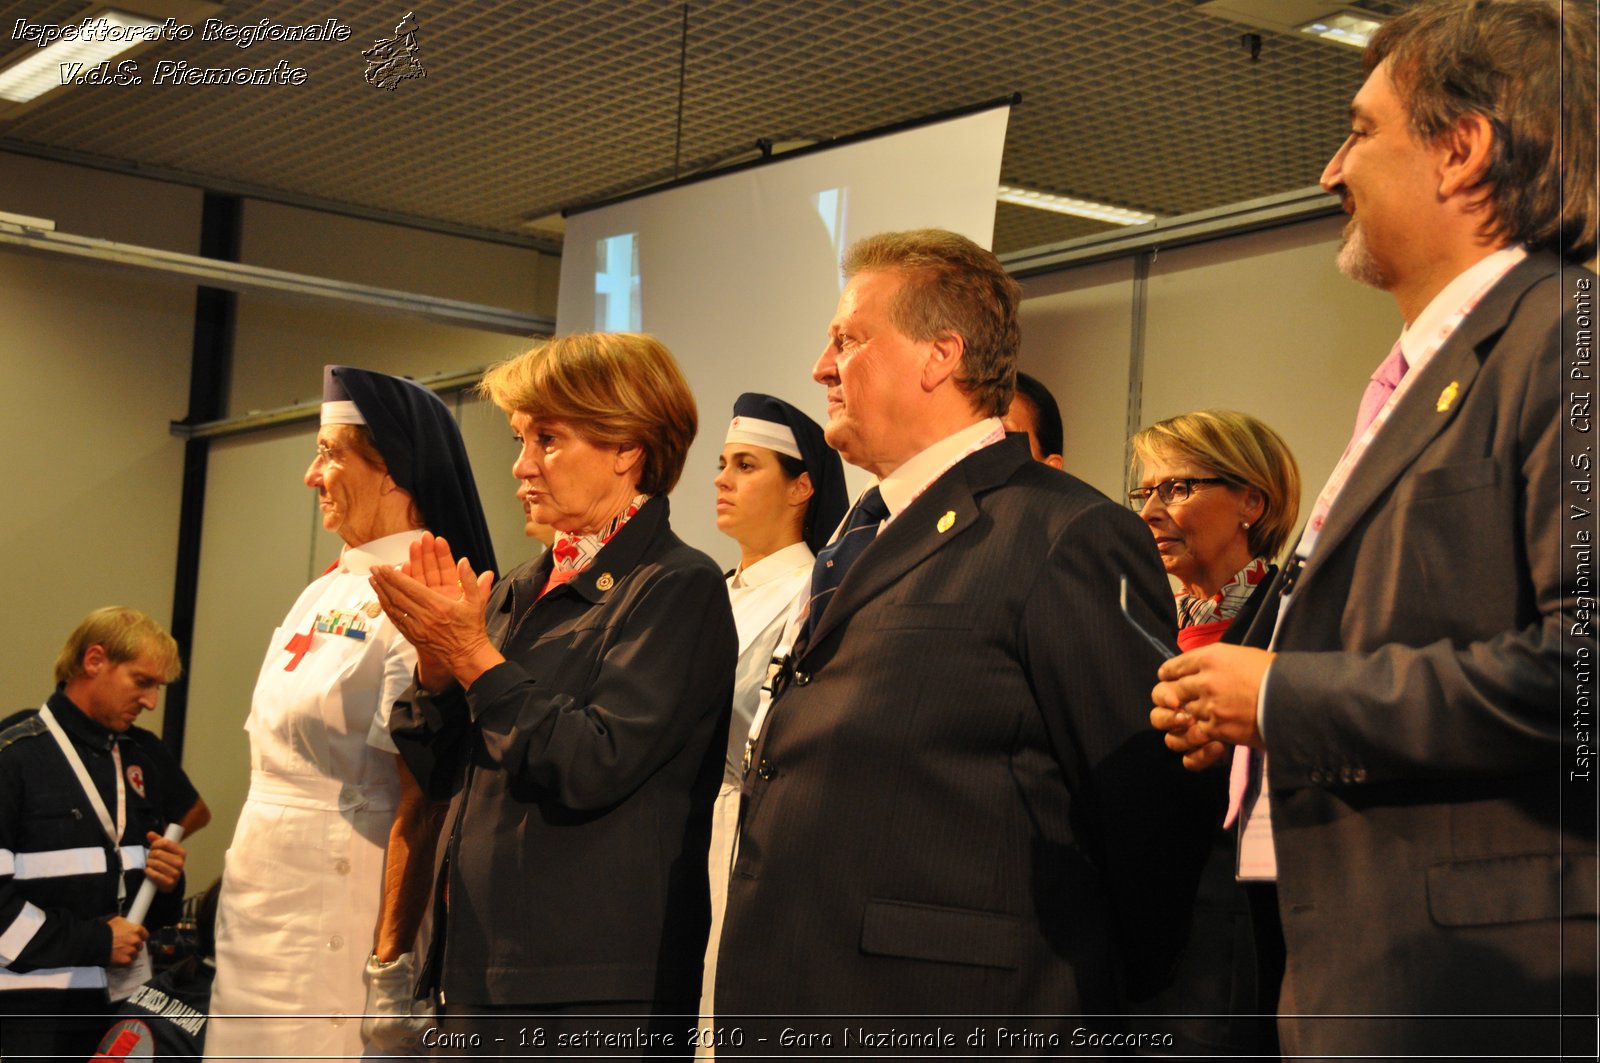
pixel 605 582
pixel 947 521
pixel 1448 396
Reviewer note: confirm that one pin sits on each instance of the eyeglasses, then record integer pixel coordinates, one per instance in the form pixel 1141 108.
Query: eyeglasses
pixel 327 455
pixel 1171 491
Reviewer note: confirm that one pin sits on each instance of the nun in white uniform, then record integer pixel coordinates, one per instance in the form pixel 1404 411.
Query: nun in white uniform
pixel 780 495
pixel 299 922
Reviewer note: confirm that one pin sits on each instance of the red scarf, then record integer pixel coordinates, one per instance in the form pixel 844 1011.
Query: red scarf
pixel 574 553
pixel 1201 621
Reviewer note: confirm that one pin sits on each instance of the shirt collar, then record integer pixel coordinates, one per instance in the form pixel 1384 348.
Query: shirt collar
pixel 390 550
pixel 1419 341
pixel 574 552
pixel 77 723
pixel 774 565
pixel 903 485
pixel 621 555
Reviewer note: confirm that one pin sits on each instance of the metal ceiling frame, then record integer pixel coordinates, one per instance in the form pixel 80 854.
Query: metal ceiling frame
pixel 1164 233
pixel 258 280
pixel 267 194
pixel 307 411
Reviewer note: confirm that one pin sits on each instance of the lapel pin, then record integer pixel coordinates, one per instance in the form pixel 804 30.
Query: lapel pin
pixel 947 521
pixel 373 609
pixel 1448 396
pixel 605 582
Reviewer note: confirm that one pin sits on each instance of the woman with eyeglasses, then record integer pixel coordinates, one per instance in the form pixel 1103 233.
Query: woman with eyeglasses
pixel 309 910
pixel 1221 494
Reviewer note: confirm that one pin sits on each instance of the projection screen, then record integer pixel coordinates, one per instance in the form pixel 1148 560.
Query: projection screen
pixel 739 274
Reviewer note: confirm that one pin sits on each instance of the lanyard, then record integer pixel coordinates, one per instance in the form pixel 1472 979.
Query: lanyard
pixel 114 830
pixel 780 657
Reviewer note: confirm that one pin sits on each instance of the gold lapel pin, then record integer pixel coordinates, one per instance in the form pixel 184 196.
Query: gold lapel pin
pixel 605 582
pixel 373 609
pixel 1448 396
pixel 947 521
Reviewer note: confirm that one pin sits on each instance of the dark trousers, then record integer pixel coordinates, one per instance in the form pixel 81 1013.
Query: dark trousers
pixel 52 1024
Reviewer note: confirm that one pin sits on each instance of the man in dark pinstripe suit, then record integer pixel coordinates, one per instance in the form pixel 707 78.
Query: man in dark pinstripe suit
pixel 955 805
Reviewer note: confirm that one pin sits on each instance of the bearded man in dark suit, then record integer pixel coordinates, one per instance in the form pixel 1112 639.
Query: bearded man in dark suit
pixel 950 808
pixel 1426 706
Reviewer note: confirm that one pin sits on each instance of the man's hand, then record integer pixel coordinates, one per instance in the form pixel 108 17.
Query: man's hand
pixel 164 865
pixel 126 940
pixel 1183 735
pixel 1208 697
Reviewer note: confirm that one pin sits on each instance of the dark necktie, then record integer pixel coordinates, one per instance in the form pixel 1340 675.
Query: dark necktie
pixel 837 557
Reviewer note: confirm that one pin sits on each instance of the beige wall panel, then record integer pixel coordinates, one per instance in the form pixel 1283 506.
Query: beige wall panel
pixel 393 256
pixel 1076 327
pixel 1266 324
pixel 85 202
pixel 280 348
pixel 94 363
pixel 281 345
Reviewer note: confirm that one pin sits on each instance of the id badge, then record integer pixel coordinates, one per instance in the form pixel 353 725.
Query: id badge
pixel 122 981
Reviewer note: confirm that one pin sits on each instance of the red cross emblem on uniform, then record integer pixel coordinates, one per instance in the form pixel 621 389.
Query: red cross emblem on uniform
pixel 299 645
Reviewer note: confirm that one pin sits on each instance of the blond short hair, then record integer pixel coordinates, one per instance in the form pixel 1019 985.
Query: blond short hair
pixel 950 284
pixel 612 388
pixel 124 634
pixel 1244 451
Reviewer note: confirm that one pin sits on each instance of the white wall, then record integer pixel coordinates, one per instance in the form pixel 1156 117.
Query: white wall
pixel 1077 328
pixel 1278 333
pixel 1262 323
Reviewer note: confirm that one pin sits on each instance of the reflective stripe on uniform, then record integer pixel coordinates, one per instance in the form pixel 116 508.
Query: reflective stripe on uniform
pixel 55 863
pixel 133 857
pixel 54 978
pixel 20 932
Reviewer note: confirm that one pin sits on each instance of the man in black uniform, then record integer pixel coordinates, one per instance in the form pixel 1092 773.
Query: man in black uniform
pixel 168 785
pixel 79 832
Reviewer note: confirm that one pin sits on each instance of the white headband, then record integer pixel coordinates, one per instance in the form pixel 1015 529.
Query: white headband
pixel 341 411
pixel 770 434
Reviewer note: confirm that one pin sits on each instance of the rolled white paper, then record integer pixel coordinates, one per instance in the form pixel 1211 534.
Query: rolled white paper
pixel 147 889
